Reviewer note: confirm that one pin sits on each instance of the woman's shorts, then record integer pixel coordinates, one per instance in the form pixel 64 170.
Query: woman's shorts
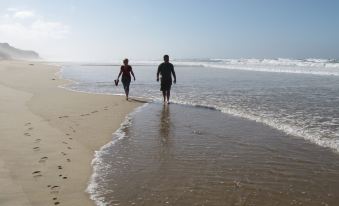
pixel 126 82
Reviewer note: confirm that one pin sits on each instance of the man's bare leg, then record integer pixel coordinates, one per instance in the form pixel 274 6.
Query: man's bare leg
pixel 164 95
pixel 168 96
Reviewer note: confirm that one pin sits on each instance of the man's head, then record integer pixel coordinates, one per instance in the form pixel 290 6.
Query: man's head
pixel 125 62
pixel 166 58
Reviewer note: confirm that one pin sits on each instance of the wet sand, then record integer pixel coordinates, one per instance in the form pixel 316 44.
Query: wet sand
pixel 48 135
pixel 182 155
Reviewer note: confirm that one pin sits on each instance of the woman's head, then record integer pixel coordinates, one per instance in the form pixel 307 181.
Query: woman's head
pixel 125 61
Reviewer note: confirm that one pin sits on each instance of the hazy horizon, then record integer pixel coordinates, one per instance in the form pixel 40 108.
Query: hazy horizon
pixel 70 30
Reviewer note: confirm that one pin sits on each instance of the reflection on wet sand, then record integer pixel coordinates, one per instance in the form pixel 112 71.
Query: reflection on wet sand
pixel 165 124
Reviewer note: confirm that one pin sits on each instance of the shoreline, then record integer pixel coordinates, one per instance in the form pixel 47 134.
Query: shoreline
pixel 49 135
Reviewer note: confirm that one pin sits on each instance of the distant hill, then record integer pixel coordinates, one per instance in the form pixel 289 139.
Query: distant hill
pixel 9 52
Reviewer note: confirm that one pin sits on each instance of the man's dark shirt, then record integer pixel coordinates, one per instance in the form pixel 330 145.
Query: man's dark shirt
pixel 165 69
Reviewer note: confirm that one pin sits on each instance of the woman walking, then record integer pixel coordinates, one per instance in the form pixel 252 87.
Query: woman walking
pixel 126 71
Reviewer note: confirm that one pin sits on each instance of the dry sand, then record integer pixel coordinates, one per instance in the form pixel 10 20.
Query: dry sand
pixel 48 135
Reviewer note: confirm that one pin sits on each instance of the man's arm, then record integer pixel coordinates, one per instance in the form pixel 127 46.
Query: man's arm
pixel 173 73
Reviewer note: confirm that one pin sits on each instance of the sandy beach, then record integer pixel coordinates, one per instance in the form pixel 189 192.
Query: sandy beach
pixel 48 135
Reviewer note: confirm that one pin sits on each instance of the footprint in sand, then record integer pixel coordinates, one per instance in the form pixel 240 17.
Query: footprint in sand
pixel 43 159
pixel 63 117
pixel 64 142
pixel 73 130
pixel 63 153
pixel 54 189
pixel 85 114
pixel 31 128
pixel 36 148
pixel 37 174
pixel 56 202
pixel 27 134
pixel 59 167
pixel 37 140
pixel 69 147
pixel 68 160
pixel 95 111
pixel 63 177
pixel 70 138
pixel 28 123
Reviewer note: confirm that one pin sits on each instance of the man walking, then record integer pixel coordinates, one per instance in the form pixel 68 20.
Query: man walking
pixel 166 70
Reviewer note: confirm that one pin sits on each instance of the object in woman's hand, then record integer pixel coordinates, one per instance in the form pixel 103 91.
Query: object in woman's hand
pixel 116 82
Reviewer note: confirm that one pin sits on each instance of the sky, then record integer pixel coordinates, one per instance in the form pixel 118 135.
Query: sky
pixel 105 30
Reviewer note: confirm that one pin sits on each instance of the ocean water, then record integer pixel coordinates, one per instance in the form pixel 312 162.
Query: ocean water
pixel 235 135
pixel 185 155
pixel 298 97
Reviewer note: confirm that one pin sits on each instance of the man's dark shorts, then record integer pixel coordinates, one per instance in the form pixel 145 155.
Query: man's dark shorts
pixel 165 84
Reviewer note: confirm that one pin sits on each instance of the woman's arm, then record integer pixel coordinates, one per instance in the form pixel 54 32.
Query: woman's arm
pixel 120 73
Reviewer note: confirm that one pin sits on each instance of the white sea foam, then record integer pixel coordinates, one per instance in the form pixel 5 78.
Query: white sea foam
pixel 287 128
pixel 282 65
pixel 307 66
pixel 93 188
pixel 302 66
pixel 314 137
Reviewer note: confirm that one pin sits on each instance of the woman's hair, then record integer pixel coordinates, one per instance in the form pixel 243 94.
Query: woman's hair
pixel 125 60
